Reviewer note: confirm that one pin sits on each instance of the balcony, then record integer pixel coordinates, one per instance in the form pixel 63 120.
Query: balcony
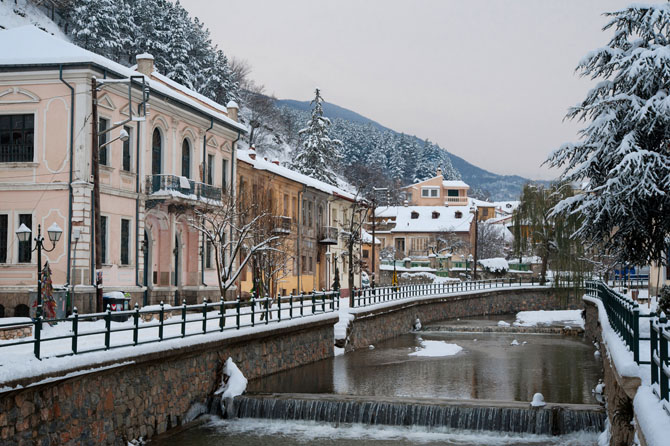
pixel 282 225
pixel 457 200
pixel 16 153
pixel 328 235
pixel 181 188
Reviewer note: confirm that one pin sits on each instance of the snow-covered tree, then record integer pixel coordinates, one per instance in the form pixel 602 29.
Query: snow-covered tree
pixel 95 26
pixel 319 153
pixel 622 160
pixel 231 228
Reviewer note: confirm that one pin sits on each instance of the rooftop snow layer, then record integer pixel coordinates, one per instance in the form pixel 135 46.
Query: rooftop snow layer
pixel 455 183
pixel 28 45
pixel 445 218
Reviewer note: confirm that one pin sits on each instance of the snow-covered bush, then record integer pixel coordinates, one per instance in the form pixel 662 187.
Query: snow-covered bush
pixel 664 300
pixel 496 265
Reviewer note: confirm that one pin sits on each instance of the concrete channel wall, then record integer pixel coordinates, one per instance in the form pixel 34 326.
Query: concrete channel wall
pixel 391 319
pixel 149 394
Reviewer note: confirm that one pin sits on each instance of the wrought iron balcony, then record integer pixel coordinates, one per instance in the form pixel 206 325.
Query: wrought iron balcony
pixel 282 225
pixel 16 153
pixel 178 187
pixel 328 235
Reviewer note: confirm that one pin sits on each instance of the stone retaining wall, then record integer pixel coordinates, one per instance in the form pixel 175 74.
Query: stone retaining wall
pixel 22 331
pixel 153 393
pixel 375 325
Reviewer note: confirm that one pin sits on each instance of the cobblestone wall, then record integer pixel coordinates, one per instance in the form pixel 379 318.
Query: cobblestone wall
pixel 152 395
pixel 376 325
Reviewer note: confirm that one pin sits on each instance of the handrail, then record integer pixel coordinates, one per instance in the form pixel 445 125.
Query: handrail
pixel 190 320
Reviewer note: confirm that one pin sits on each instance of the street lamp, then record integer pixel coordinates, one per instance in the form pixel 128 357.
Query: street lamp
pixel 54 232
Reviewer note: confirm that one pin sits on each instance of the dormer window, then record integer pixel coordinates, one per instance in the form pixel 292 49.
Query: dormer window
pixel 436 215
pixel 458 214
pixel 415 215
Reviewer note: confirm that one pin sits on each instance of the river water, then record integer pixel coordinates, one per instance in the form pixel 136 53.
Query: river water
pixel 489 367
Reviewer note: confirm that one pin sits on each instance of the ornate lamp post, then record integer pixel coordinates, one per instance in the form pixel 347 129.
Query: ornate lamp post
pixel 23 234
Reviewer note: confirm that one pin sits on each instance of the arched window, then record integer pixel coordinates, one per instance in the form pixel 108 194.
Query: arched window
pixel 156 152
pixel 186 159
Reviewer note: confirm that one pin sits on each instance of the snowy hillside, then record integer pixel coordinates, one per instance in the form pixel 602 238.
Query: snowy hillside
pixel 21 12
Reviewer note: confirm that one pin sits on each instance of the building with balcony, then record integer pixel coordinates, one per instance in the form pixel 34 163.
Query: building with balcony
pixel 180 153
pixel 437 191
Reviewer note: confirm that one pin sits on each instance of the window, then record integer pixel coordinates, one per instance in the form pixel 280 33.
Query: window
pixel 419 244
pixel 286 209
pixel 414 215
pixel 311 264
pixel 485 212
pixel 125 164
pixel 436 215
pixel 452 192
pixel 304 212
pixel 3 238
pixel 210 169
pixel 304 264
pixel 156 152
pixel 458 214
pixel 103 238
pixel 125 241
pixel 366 254
pixel 294 209
pixel 103 125
pixel 334 215
pixel 208 255
pixel 224 174
pixel 310 212
pixel 186 159
pixel 16 138
pixel 25 254
pixel 430 192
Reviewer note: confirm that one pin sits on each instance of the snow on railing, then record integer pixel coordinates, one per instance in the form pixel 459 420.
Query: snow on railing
pixel 163 322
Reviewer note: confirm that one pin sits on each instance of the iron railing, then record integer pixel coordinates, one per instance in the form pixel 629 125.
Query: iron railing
pixel 282 225
pixel 328 235
pixel 660 362
pixel 161 323
pixel 173 183
pixel 623 314
pixel 16 153
pixel 371 296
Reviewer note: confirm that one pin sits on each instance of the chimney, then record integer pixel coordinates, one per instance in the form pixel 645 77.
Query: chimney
pixel 145 63
pixel 233 108
pixel 252 152
pixel 406 203
pixel 275 161
pixel 439 171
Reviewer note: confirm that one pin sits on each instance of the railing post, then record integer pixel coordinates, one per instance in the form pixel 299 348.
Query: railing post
pixel 204 315
pixel 663 356
pixel 290 306
pixel 267 309
pixel 222 315
pixel 75 329
pixel 237 313
pixel 183 318
pixel 253 310
pixel 302 304
pixel 108 326
pixel 636 333
pixel 136 323
pixel 278 306
pixel 323 300
pixel 653 350
pixel 161 317
pixel 38 332
pixel 313 302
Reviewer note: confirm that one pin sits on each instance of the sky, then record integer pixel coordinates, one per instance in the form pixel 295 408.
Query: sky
pixel 488 80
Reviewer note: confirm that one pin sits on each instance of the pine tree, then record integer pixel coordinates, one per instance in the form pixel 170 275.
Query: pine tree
pixel 319 152
pixel 95 26
pixel 622 160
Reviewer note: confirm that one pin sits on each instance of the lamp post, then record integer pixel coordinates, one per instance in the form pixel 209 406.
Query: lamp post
pixel 473 210
pixel 23 234
pixel 374 226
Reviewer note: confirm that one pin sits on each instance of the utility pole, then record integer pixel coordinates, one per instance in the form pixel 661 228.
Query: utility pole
pixel 374 206
pixel 474 275
pixel 95 167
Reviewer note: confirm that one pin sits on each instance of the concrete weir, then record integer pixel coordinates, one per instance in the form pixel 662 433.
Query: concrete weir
pixel 476 415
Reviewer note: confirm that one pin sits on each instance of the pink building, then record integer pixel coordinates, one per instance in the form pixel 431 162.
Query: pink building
pixel 180 151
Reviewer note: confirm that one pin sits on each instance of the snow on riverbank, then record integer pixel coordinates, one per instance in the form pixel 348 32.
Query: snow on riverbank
pixel 562 317
pixel 436 349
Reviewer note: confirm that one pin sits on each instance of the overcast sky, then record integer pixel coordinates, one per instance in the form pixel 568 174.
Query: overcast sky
pixel 488 80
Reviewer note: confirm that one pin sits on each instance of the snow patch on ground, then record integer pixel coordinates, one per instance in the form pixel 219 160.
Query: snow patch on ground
pixel 503 324
pixel 234 383
pixel 495 265
pixel 542 317
pixel 651 417
pixel 437 348
pixel 22 12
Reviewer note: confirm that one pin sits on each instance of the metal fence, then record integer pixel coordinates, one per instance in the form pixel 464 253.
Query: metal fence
pixel 372 296
pixel 161 323
pixel 624 316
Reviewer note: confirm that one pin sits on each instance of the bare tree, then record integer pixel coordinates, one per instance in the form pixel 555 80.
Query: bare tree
pixel 231 227
pixel 352 225
pixel 259 111
pixel 241 70
pixel 490 241
pixel 447 241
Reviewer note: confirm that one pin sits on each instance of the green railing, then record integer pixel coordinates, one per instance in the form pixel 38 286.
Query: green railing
pixel 161 323
pixel 660 362
pixel 371 296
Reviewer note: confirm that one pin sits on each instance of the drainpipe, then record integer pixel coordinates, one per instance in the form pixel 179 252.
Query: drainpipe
pixel 69 208
pixel 137 203
pixel 233 155
pixel 204 172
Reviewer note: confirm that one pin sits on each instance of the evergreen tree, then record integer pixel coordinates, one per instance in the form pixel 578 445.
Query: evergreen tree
pixel 95 26
pixel 178 47
pixel 319 152
pixel 622 160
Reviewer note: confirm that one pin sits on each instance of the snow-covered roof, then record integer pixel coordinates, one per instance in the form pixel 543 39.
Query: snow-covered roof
pixel 366 237
pixel 496 264
pixel 260 164
pixel 506 206
pixel 445 218
pixel 28 45
pixel 455 183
